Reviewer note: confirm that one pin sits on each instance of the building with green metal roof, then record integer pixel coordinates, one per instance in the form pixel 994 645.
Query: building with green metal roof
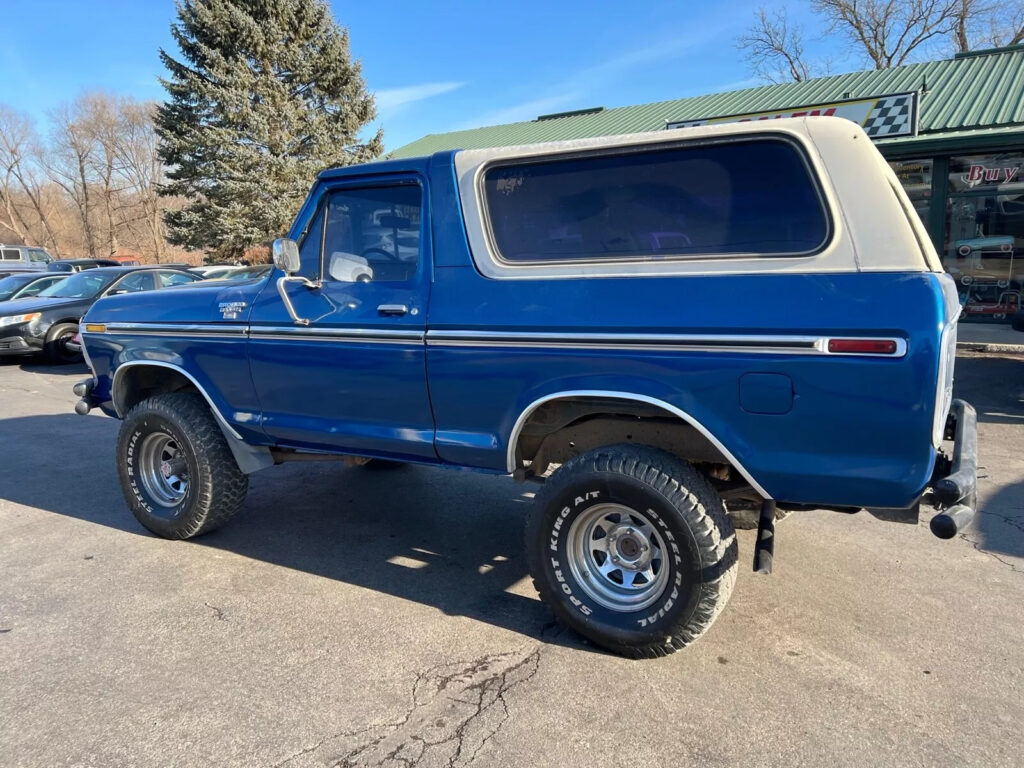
pixel 953 131
pixel 972 92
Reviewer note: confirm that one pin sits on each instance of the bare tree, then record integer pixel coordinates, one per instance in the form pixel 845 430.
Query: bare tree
pixel 984 24
pixel 19 153
pixel 890 31
pixel 101 121
pixel 775 48
pixel 140 167
pixel 69 164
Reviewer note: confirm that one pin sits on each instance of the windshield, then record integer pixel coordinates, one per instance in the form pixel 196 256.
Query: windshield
pixel 83 285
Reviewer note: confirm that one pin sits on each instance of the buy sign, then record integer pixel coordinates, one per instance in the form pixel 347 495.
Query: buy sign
pixel 982 173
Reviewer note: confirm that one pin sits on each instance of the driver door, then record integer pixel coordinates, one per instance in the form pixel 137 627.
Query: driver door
pixel 354 378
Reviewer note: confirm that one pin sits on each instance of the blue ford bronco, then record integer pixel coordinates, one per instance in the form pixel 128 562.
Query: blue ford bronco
pixel 665 330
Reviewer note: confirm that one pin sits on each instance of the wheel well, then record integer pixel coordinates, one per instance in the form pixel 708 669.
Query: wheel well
pixel 562 428
pixel 66 320
pixel 138 382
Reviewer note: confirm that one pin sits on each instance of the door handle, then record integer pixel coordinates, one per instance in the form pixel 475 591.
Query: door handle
pixel 392 309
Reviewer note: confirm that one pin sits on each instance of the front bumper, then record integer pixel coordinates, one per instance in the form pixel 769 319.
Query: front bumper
pixel 955 483
pixel 13 345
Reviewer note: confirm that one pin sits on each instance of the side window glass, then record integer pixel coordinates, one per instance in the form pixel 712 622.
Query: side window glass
pixel 309 243
pixel 752 197
pixel 9 254
pixel 373 234
pixel 36 287
pixel 37 255
pixel 140 281
pixel 167 279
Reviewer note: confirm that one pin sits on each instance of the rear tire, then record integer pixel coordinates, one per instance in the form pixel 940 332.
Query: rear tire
pixel 632 548
pixel 55 346
pixel 177 472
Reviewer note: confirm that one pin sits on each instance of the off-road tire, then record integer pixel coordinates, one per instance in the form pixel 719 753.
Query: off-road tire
pixel 685 511
pixel 216 487
pixel 54 349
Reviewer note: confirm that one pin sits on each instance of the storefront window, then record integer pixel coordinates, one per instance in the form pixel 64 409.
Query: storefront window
pixel 987 173
pixel 916 178
pixel 984 248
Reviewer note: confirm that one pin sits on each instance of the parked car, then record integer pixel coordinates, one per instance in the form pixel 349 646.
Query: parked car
pixel 236 272
pixel 77 265
pixel 206 269
pixel 256 271
pixel 23 285
pixel 22 258
pixel 645 325
pixel 215 271
pixel 47 322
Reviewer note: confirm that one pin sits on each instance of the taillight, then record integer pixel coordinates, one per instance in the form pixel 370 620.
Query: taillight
pixel 863 346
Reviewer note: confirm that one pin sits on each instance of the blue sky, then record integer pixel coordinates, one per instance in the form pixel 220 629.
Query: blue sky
pixel 434 66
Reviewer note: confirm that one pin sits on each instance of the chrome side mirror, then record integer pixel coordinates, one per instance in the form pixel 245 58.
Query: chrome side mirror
pixel 286 255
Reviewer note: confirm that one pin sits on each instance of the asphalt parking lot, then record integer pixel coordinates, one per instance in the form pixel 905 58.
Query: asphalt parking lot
pixel 358 617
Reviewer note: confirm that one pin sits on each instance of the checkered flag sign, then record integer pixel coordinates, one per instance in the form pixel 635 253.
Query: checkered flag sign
pixel 892 116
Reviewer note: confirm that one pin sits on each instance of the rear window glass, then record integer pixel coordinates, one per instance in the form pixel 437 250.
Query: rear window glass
pixel 748 197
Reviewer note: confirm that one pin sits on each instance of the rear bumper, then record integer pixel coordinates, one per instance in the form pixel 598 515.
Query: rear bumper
pixel 955 483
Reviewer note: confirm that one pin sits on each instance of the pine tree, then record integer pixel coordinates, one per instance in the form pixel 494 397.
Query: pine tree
pixel 265 96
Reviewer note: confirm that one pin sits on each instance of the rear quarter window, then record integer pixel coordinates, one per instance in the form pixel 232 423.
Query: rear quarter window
pixel 736 198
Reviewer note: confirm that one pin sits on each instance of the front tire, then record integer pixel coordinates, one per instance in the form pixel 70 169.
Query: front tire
pixel 177 472
pixel 632 548
pixel 55 347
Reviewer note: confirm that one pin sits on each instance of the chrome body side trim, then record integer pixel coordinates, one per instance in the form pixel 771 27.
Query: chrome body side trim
pixel 795 344
pixel 747 343
pixel 180 329
pixel 222 331
pixel 521 421
pixel 161 364
pixel 336 334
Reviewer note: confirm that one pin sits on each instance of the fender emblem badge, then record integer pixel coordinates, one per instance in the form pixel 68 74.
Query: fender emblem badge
pixel 230 309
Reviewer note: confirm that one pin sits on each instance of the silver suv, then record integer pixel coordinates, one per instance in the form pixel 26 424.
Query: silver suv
pixel 22 258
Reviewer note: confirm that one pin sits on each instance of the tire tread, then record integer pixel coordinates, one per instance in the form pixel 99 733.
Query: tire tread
pixel 220 498
pixel 694 498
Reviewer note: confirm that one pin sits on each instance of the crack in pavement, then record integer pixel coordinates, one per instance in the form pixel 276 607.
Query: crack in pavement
pixel 217 612
pixel 456 708
pixel 1012 566
pixel 1013 522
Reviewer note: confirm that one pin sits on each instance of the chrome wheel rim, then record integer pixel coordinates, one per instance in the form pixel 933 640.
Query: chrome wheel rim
pixel 163 469
pixel 617 557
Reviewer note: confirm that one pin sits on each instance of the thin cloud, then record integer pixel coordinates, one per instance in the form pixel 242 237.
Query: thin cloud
pixel 573 90
pixel 391 99
pixel 527 110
